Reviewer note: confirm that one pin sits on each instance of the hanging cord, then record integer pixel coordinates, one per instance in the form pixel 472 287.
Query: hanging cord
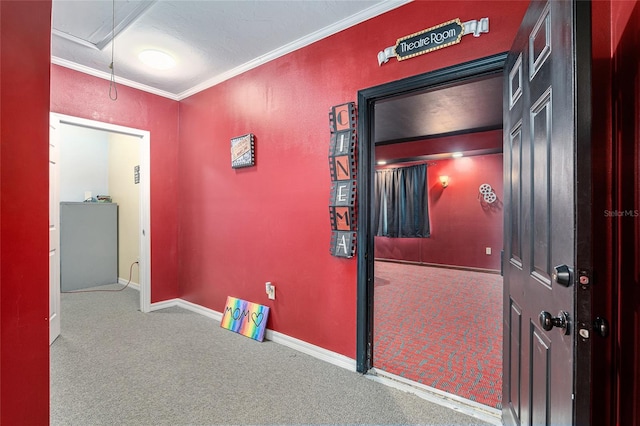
pixel 113 89
pixel 98 290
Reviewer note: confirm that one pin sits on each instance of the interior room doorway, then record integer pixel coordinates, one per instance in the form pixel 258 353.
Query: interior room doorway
pixel 58 122
pixel 408 326
pixel 438 297
pixel 547 262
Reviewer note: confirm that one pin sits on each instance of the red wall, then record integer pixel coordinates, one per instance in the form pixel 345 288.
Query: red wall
pixel 625 35
pixel 462 225
pixel 24 213
pixel 281 223
pixel 84 96
pixel 240 228
pixel 604 296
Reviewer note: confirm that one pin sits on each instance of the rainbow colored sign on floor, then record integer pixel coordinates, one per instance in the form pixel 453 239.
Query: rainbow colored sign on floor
pixel 246 318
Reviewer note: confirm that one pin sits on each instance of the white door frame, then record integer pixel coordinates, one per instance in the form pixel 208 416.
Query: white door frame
pixel 145 194
pixel 54 232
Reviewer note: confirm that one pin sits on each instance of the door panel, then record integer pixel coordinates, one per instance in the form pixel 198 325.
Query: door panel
pixel 540 227
pixel 515 188
pixel 540 348
pixel 540 123
pixel 514 344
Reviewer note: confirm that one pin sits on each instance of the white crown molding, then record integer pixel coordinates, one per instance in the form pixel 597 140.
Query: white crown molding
pixel 107 76
pixel 371 12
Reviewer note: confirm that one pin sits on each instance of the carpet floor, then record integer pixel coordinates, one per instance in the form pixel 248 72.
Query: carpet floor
pixel 113 365
pixel 441 328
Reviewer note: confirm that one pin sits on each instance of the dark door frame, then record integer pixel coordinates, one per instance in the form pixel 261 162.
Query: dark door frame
pixel 366 167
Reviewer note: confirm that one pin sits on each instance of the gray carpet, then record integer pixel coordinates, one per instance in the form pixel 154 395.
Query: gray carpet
pixel 113 365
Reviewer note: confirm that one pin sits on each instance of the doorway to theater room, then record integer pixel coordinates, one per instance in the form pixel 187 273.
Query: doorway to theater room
pixel 436 306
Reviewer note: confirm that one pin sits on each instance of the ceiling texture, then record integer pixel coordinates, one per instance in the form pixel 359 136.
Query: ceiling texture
pixel 210 41
pixel 214 40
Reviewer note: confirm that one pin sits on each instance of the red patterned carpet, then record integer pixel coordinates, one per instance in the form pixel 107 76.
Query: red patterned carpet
pixel 440 327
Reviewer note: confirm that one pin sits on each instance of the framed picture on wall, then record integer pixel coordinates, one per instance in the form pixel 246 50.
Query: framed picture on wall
pixel 243 151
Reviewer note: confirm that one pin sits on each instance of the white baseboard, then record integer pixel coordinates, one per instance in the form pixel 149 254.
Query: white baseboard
pixel 199 309
pixel 163 305
pixel 276 337
pixel 313 350
pixel 454 402
pixel 132 285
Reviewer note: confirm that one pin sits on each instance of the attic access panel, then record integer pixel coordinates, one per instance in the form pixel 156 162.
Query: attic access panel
pixel 90 23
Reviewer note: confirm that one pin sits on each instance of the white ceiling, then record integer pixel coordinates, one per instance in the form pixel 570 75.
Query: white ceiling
pixel 211 41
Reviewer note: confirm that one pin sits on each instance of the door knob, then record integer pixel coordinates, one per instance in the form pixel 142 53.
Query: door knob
pixel 548 322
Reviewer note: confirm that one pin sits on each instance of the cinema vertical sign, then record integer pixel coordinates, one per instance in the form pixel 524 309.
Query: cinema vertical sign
pixel 433 38
pixel 342 167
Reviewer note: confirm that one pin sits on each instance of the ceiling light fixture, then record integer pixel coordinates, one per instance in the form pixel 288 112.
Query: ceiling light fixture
pixel 157 59
pixel 381 163
pixel 456 155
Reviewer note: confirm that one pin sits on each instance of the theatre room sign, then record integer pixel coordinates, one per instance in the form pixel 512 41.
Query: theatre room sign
pixel 433 38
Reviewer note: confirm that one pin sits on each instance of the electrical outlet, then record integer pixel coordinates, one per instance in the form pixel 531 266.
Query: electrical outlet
pixel 488 250
pixel 270 290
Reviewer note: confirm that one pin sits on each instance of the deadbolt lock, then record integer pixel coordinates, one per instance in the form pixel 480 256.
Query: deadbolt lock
pixel 562 275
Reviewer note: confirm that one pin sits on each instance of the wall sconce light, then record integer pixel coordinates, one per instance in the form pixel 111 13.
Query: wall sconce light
pixel 444 180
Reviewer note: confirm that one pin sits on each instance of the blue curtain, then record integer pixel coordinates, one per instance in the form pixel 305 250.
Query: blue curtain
pixel 401 202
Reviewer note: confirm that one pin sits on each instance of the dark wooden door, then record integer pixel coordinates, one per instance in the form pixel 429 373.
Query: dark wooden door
pixel 546 336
